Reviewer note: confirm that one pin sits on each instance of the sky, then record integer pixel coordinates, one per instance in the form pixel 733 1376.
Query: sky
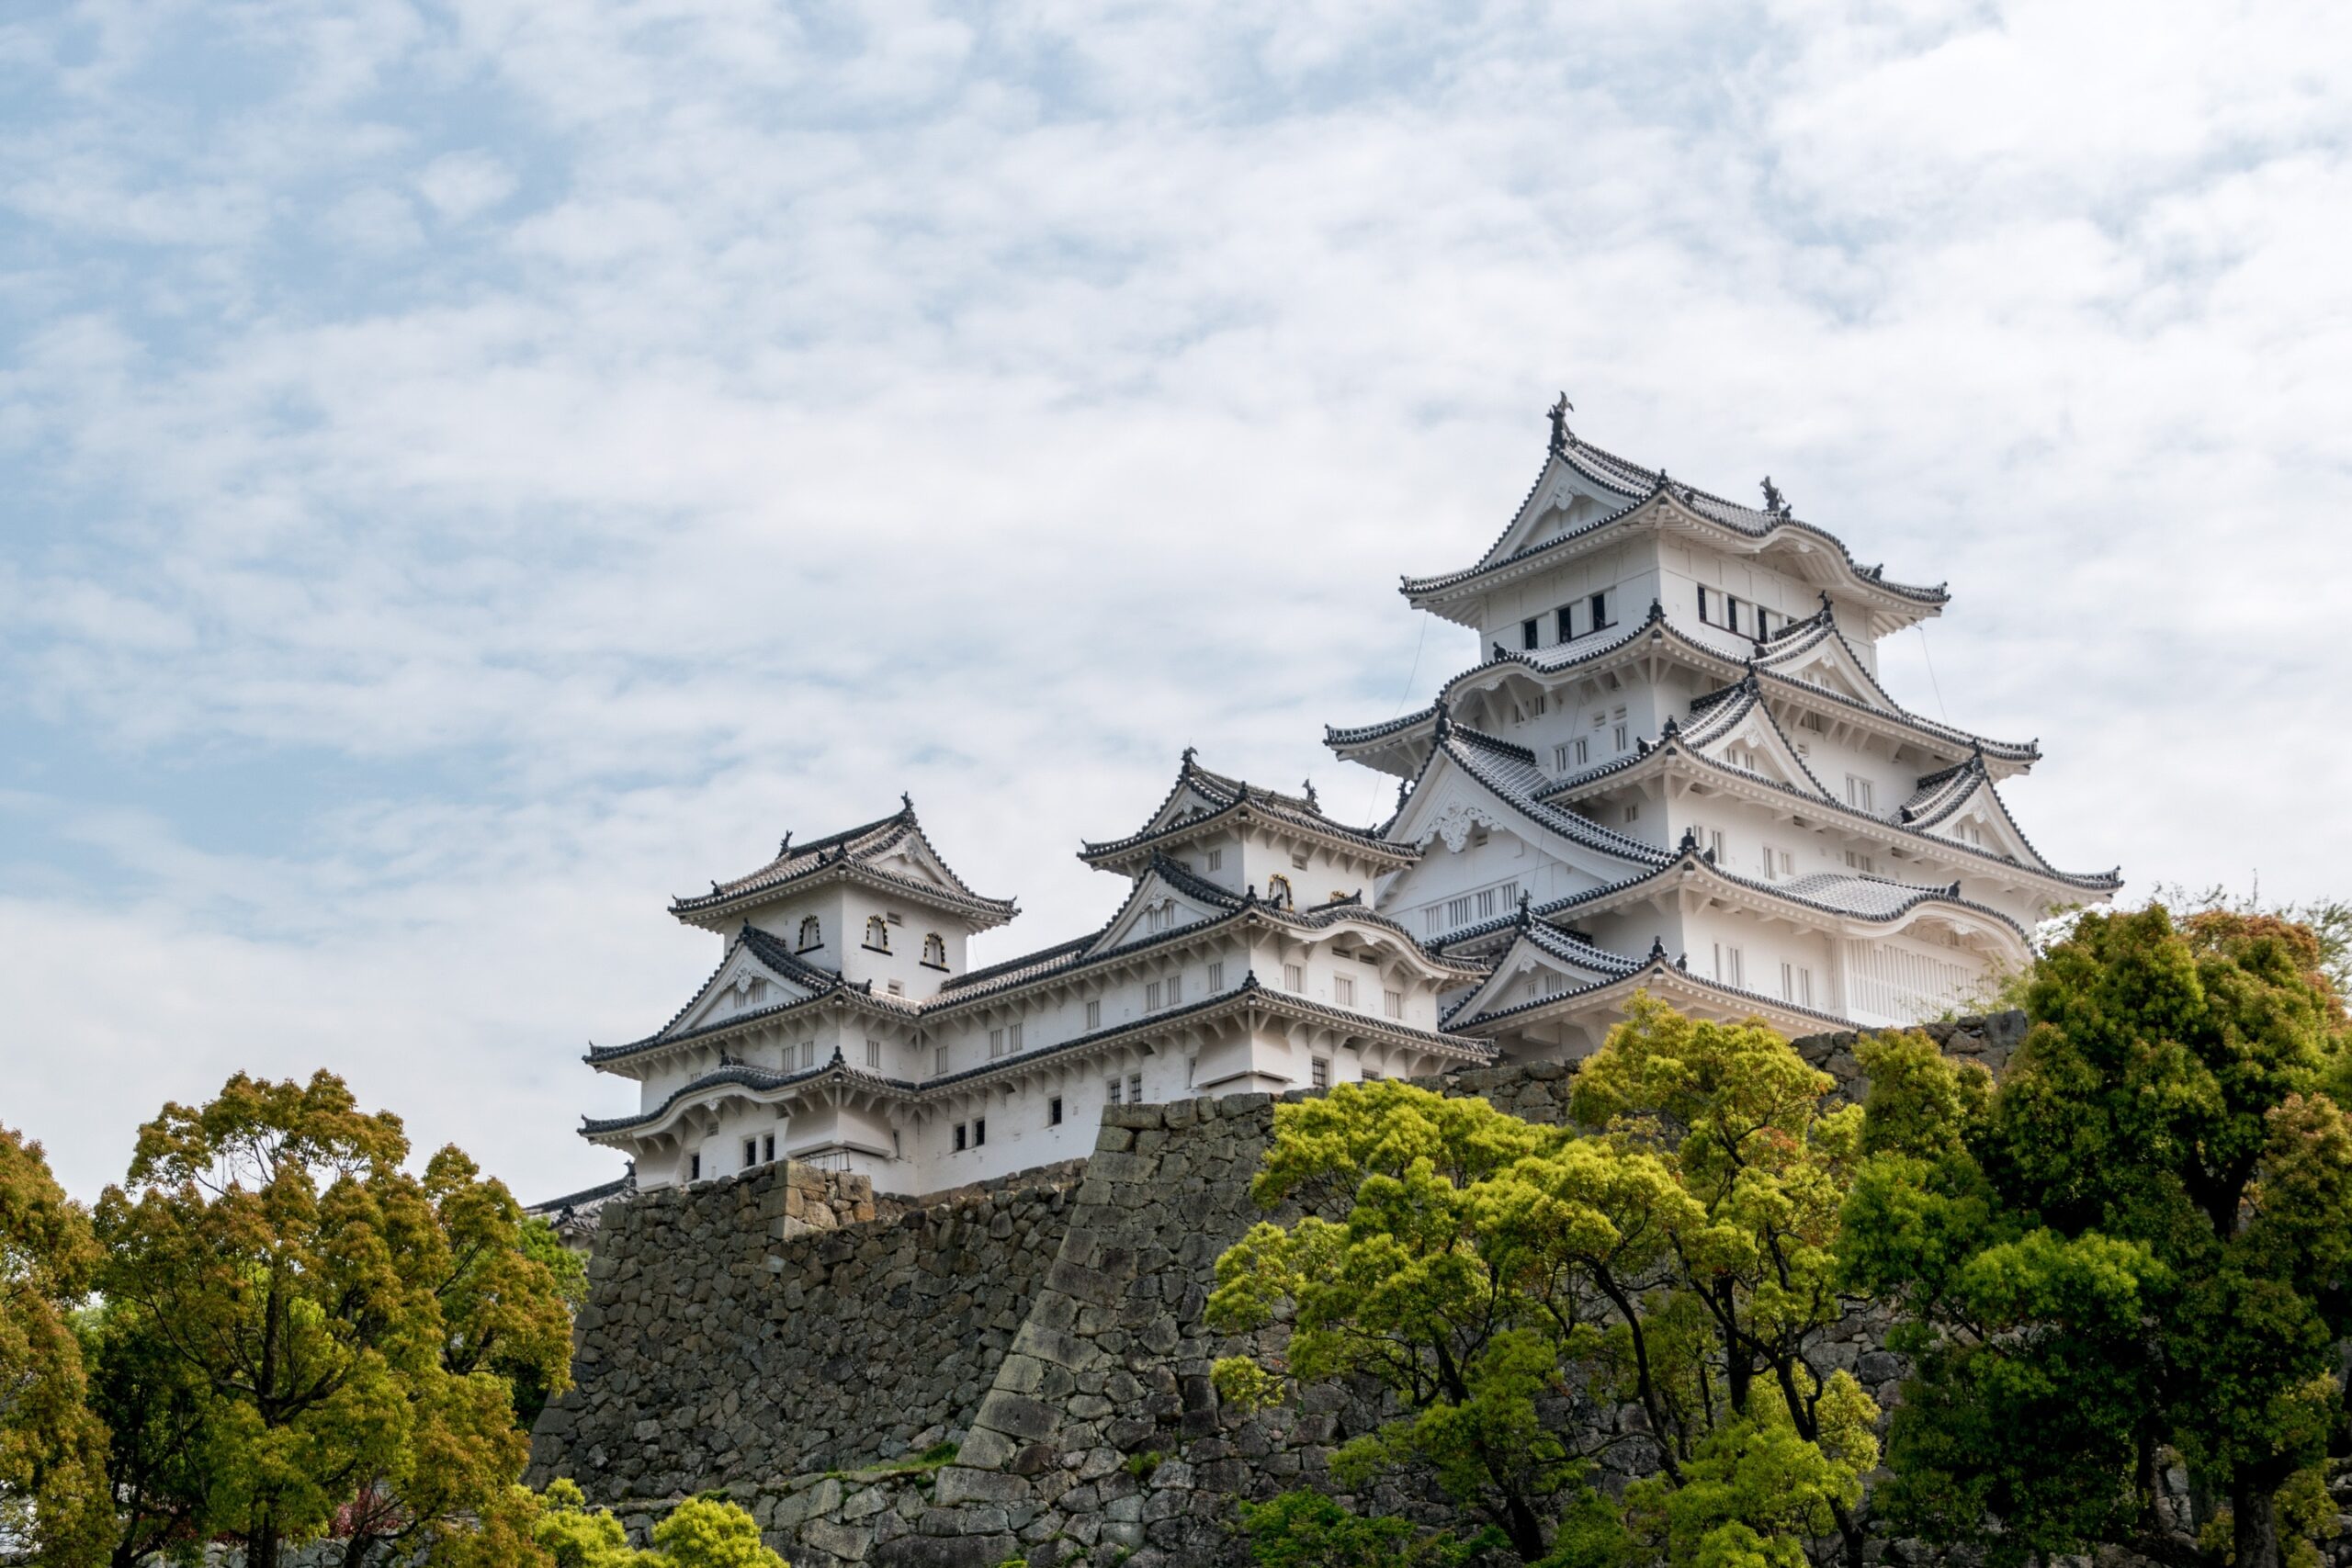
pixel 472 469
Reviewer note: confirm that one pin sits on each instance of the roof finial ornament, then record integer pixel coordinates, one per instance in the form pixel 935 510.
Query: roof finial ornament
pixel 785 848
pixel 1312 803
pixel 1559 412
pixel 907 802
pixel 1191 752
pixel 1657 950
pixel 1774 501
pixel 1444 725
pixel 1525 918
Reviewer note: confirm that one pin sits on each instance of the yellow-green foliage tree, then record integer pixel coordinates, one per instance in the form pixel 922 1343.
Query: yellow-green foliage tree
pixel 52 1451
pixel 1679 1257
pixel 558 1529
pixel 351 1333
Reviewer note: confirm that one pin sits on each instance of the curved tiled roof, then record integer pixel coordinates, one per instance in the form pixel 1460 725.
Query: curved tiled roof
pixel 1230 796
pixel 1551 661
pixel 1641 486
pixel 1657 965
pixel 1082 954
pixel 853 850
pixel 1509 772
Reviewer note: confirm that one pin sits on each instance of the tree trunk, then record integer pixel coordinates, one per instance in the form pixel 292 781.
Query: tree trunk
pixel 261 1543
pixel 1849 1530
pixel 1526 1531
pixel 2253 1522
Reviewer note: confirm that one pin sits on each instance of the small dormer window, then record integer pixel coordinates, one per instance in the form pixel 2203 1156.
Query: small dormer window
pixel 1530 633
pixel 812 935
pixel 877 933
pixel 1278 891
pixel 935 950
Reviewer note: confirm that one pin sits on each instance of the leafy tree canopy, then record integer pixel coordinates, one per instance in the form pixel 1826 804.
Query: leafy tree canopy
pixel 1505 1280
pixel 53 1488
pixel 2137 1242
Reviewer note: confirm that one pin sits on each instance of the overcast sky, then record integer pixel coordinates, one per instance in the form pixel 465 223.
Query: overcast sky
pixel 471 469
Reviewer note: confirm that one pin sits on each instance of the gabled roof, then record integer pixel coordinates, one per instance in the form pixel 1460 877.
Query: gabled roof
pixel 1846 897
pixel 1673 748
pixel 1200 799
pixel 759 1080
pixel 1366 742
pixel 1588 964
pixel 1508 773
pixel 1669 976
pixel 870 853
pixel 1638 491
pixel 1103 946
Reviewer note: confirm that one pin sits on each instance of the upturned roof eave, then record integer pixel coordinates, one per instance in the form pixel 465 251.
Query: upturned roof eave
pixel 1118 853
pixel 1442 592
pixel 708 911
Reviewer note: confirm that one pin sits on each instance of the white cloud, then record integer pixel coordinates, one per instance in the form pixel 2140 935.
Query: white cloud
pixel 714 423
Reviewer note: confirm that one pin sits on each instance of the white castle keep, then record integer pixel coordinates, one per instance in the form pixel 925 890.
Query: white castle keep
pixel 1674 770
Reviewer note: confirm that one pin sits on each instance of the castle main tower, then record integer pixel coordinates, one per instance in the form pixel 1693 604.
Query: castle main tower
pixel 1674 769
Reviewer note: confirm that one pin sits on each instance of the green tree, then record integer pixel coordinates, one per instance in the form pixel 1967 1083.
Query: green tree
pixel 1484 1269
pixel 52 1451
pixel 157 1411
pixel 2137 1243
pixel 351 1332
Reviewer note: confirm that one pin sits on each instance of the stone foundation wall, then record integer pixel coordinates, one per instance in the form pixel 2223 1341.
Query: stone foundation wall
pixel 1085 1426
pixel 769 1323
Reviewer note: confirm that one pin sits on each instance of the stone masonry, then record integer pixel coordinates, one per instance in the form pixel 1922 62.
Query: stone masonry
pixel 1054 1333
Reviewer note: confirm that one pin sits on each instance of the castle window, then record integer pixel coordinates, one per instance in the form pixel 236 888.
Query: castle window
pixel 1297 860
pixel 1600 615
pixel 996 1043
pixel 1391 1003
pixel 767 1146
pixel 1216 974
pixel 1559 759
pixel 811 933
pixel 1151 997
pixel 1731 613
pixel 1729 964
pixel 877 935
pixel 979 1131
pixel 1859 793
pixel 874 1055
pixel 1763 624
pixel 1012 1038
pixel 935 950
pixel 963 1137
pixel 1711 843
pixel 1053 1112
pixel 807 1053
pixel 1278 891
pixel 896 987
pixel 1566 617
pixel 1343 990
pixel 1216 860
pixel 1703 606
pixel 1797 985
pixel 1111 1092
pixel 1634 812
pixel 1134 1087
pixel 938 1061
pixel 751 1152
pixel 1094 1013
pixel 1175 989
pixel 1294 978
pixel 1857 861
pixel 1373 1074
pixel 1318 1072
pixel 1432 918
pixel 694 1168
pixel 1530 633
pixel 1457 910
pixel 897 919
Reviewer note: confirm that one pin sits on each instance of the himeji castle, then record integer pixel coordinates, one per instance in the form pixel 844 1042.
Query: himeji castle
pixel 1673 770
